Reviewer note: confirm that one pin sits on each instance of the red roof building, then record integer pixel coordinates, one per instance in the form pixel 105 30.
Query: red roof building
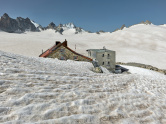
pixel 63 52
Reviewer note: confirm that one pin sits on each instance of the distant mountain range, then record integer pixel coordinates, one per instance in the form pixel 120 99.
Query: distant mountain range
pixel 20 25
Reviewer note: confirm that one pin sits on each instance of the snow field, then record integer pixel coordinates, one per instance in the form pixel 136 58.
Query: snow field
pixel 46 91
pixel 140 43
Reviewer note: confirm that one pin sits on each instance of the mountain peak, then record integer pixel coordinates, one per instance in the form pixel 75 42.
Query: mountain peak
pixel 52 25
pixel 17 25
pixel 5 15
pixel 147 22
pixel 69 25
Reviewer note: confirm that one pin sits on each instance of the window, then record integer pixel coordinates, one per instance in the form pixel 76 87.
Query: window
pixel 108 56
pixel 75 57
pixel 62 50
pixel 62 58
pixel 103 55
pixel 103 63
pixel 108 63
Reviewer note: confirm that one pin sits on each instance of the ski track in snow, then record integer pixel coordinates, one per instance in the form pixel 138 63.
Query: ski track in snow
pixel 50 91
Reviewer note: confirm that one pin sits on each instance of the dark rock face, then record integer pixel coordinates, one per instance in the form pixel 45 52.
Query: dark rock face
pixel 59 28
pixel 51 26
pixel 7 24
pixel 78 30
pixel 19 24
pixel 25 24
pixel 97 32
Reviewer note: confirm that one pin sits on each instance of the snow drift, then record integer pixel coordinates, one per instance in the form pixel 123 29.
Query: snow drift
pixel 45 91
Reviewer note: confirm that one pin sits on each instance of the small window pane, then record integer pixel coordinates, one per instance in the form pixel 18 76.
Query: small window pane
pixel 62 58
pixel 75 57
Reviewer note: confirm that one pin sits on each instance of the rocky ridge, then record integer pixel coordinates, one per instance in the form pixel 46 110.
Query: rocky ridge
pixel 17 25
pixel 62 27
pixel 20 25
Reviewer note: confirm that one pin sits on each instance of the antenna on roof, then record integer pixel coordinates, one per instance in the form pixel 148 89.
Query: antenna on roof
pixel 75 47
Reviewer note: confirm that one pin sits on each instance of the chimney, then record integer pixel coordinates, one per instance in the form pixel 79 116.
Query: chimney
pixel 65 42
pixel 57 42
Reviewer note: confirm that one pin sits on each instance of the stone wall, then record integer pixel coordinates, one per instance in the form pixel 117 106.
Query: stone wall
pixel 63 53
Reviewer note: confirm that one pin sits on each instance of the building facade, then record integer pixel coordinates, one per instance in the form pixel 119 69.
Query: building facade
pixel 104 57
pixel 63 52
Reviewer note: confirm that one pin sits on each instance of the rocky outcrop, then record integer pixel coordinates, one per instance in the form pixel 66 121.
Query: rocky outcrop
pixel 7 24
pixel 59 28
pixel 25 24
pixel 121 28
pixel 146 22
pixel 78 30
pixel 20 25
pixel 99 32
pixel 17 25
pixel 51 26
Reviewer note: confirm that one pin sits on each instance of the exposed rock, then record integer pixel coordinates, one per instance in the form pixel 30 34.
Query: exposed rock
pixel 78 30
pixel 51 26
pixel 146 22
pixel 123 26
pixel 16 25
pixel 25 24
pixel 101 31
pixel 59 28
pixel 7 24
pixel 40 28
pixel 116 29
pixel 97 32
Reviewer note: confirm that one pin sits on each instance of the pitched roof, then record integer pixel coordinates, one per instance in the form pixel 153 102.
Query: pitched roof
pixel 56 46
pixel 100 50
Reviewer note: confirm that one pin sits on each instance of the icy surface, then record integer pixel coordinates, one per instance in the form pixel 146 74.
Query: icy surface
pixel 50 91
pixel 140 43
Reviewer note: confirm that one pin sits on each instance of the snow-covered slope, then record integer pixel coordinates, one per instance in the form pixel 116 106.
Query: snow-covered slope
pixel 35 24
pixel 142 71
pixel 46 91
pixel 140 43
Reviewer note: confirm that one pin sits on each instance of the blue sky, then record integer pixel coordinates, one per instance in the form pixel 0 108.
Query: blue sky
pixel 93 15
